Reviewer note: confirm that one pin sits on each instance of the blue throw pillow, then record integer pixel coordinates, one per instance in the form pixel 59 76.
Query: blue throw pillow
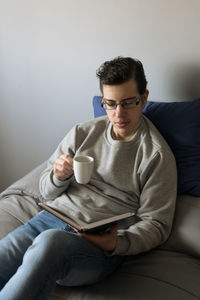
pixel 179 123
pixel 98 109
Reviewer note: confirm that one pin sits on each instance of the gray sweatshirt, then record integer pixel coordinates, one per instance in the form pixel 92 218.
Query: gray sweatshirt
pixel 137 176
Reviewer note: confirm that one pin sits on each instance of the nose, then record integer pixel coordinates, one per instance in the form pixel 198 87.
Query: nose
pixel 119 111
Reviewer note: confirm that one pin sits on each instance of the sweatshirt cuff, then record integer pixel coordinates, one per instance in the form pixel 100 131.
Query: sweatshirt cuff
pixel 121 247
pixel 59 183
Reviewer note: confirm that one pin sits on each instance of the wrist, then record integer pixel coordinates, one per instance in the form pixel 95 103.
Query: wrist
pixel 58 182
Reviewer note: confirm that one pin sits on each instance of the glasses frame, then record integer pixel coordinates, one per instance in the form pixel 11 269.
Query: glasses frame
pixel 137 101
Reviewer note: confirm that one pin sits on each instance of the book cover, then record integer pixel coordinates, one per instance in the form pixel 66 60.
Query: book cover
pixel 99 226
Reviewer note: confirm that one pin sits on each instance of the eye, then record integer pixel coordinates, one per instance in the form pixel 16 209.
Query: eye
pixel 110 103
pixel 129 102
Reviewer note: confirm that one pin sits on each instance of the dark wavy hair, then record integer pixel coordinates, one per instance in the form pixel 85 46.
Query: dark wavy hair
pixel 120 70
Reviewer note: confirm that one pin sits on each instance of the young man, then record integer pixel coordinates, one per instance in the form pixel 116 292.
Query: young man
pixel 134 171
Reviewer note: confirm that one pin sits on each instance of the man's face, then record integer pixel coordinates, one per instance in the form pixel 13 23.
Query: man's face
pixel 125 121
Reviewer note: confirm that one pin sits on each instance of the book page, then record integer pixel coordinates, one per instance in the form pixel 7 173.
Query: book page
pixel 61 216
pixel 100 225
pixel 92 227
pixel 64 210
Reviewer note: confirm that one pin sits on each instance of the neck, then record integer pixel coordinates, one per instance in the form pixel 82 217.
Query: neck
pixel 125 138
pixel 121 137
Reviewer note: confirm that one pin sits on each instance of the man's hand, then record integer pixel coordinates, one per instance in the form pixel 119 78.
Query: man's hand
pixel 63 167
pixel 106 241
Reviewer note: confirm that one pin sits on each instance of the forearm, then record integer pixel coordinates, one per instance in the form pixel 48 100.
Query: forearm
pixel 50 186
pixel 156 211
pixel 141 237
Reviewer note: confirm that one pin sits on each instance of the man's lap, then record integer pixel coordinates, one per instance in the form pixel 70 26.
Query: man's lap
pixel 87 258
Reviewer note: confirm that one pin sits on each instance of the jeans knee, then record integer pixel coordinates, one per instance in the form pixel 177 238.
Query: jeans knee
pixel 54 242
pixel 49 241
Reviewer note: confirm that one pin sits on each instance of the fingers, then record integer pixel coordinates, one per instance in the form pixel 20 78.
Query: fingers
pixel 106 241
pixel 114 229
pixel 63 167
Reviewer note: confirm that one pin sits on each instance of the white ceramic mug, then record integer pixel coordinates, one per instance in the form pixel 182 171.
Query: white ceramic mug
pixel 83 167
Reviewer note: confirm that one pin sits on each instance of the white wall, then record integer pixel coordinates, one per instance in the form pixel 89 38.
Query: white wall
pixel 49 53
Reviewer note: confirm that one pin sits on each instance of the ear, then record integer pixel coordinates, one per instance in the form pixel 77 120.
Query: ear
pixel 144 98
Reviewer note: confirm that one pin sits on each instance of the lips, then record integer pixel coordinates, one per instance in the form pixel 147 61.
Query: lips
pixel 121 124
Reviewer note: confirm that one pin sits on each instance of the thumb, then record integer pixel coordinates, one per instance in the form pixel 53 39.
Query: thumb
pixel 69 159
pixel 114 228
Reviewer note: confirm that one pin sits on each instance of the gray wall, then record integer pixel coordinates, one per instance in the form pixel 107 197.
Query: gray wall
pixel 49 53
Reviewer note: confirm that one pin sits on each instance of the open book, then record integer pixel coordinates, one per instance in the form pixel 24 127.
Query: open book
pixel 99 226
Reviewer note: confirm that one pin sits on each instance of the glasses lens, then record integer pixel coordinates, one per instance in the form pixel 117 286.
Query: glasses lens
pixel 109 104
pixel 129 103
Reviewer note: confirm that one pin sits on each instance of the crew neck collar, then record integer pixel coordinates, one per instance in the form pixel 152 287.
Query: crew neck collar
pixel 134 138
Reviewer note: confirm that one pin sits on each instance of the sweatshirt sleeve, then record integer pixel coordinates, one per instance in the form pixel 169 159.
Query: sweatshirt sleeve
pixel 51 187
pixel 158 183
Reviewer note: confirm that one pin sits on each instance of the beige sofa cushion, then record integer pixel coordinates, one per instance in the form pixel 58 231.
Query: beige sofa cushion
pixel 185 234
pixel 15 210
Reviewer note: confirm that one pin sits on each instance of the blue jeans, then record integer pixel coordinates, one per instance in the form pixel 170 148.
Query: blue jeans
pixel 44 251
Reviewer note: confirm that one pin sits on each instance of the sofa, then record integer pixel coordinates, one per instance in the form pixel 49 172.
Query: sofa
pixel 172 270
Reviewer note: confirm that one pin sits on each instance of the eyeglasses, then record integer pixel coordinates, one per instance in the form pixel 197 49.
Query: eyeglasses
pixel 126 104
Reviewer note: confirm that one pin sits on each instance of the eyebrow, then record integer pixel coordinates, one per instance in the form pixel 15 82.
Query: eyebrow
pixel 121 99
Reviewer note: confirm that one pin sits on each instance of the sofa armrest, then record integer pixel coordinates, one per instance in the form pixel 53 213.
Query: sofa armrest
pixel 27 185
pixel 19 202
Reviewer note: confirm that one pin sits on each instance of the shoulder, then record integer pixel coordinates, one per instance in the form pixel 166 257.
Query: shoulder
pixel 154 147
pixel 154 137
pixel 156 153
pixel 97 124
pixel 93 128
